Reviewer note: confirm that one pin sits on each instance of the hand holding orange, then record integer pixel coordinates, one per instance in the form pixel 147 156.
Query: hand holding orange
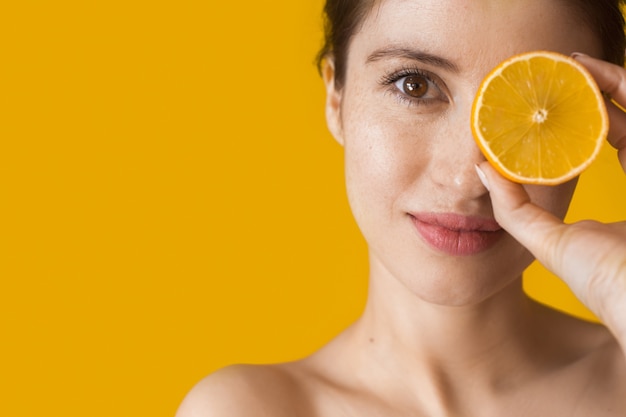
pixel 589 256
pixel 539 118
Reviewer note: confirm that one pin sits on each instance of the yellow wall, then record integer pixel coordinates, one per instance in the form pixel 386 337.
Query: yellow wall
pixel 172 202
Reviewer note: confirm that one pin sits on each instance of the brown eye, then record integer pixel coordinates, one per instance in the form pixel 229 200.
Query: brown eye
pixel 415 86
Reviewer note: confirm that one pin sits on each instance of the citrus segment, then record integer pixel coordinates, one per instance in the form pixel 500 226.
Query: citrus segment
pixel 539 118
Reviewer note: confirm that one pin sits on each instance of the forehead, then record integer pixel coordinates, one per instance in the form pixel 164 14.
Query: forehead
pixel 474 33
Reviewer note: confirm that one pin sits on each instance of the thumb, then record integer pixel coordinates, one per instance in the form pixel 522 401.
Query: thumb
pixel 587 255
pixel 532 226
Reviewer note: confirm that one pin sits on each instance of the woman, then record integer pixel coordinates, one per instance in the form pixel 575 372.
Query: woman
pixel 447 329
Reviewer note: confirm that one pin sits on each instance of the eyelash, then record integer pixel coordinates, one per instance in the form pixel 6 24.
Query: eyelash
pixel 392 78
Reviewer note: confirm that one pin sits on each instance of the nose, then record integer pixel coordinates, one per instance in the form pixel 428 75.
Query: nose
pixel 455 157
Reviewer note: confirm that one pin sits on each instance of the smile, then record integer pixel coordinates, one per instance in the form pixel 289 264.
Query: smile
pixel 455 234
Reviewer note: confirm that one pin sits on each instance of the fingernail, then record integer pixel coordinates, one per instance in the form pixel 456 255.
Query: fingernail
pixel 577 55
pixel 482 177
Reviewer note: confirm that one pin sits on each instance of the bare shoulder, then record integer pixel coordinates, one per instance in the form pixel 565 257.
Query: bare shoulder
pixel 245 390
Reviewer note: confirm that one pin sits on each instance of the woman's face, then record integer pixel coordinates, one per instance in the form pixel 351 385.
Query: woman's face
pixel 403 118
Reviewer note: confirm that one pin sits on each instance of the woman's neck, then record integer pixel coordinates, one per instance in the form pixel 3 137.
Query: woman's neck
pixel 492 342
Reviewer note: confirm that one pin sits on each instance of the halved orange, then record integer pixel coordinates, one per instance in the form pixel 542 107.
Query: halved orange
pixel 539 118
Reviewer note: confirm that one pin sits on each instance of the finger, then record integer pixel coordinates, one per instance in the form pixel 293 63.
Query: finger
pixel 617 128
pixel 611 79
pixel 617 132
pixel 535 228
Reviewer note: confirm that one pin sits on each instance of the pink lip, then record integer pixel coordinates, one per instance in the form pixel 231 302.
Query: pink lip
pixel 456 234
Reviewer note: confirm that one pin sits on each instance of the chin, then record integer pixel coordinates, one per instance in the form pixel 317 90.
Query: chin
pixel 455 294
pixel 457 281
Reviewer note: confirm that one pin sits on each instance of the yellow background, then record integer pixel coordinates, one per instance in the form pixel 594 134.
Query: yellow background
pixel 172 203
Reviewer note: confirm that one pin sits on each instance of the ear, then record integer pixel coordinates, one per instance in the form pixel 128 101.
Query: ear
pixel 333 100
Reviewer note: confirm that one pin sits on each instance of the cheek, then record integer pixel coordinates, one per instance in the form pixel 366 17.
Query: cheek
pixel 369 165
pixel 383 159
pixel 555 199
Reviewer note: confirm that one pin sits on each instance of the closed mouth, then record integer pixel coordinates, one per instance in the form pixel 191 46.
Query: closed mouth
pixel 457 234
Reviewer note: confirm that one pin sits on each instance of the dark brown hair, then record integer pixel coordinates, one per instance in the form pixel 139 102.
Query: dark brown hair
pixel 606 20
pixel 342 19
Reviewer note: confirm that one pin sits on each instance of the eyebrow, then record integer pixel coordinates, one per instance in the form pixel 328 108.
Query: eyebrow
pixel 413 54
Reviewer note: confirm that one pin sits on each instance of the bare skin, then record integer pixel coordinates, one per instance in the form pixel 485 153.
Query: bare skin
pixel 445 334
